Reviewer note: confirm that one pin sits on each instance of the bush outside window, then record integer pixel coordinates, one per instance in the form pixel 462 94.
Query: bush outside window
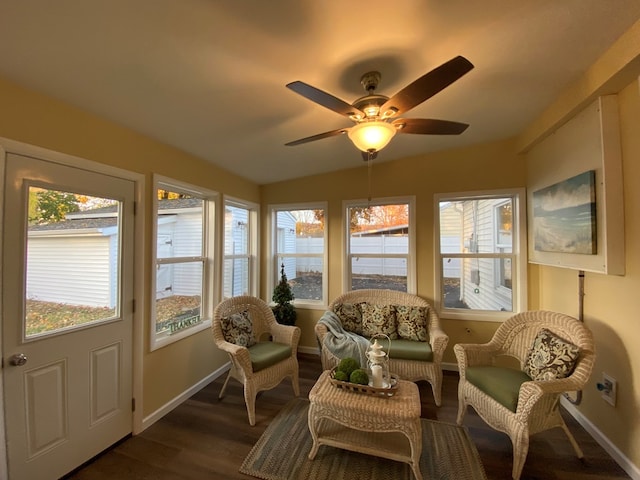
pixel 298 239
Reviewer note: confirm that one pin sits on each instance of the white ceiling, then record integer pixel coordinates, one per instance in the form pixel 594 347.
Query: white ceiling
pixel 209 76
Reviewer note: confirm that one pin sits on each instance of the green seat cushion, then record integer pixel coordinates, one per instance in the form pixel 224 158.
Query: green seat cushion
pixel 265 354
pixel 500 383
pixel 410 350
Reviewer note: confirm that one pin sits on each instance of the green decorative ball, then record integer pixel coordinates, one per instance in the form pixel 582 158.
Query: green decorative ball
pixel 341 376
pixel 348 365
pixel 359 376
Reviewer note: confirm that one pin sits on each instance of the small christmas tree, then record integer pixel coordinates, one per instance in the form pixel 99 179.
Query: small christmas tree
pixel 284 311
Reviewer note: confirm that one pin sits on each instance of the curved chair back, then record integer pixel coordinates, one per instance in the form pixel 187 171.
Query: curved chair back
pixel 515 336
pixel 262 318
pixel 387 297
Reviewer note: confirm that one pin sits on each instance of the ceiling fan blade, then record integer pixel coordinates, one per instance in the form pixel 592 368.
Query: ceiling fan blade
pixel 319 136
pixel 428 85
pixel 325 99
pixel 429 126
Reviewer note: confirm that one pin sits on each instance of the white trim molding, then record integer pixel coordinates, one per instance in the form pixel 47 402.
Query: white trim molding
pixel 620 458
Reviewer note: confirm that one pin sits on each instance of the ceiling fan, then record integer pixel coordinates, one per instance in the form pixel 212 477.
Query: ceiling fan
pixel 376 116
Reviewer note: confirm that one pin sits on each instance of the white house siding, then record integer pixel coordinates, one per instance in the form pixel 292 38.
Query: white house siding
pixel 480 288
pixel 187 242
pixel 451 240
pixel 235 271
pixel 286 238
pixel 70 269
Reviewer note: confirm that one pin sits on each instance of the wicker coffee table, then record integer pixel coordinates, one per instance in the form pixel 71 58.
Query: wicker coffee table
pixel 384 427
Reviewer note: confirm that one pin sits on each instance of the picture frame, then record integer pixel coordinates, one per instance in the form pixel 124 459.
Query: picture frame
pixel 564 216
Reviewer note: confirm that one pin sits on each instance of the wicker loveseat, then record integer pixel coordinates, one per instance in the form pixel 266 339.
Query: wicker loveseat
pixel 411 360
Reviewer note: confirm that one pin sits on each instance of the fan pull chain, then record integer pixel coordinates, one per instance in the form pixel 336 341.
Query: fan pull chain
pixel 369 172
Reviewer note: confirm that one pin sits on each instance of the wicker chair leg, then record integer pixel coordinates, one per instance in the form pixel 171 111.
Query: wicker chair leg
pixel 295 382
pixel 520 442
pixel 224 386
pixel 575 445
pixel 436 386
pixel 250 400
pixel 462 407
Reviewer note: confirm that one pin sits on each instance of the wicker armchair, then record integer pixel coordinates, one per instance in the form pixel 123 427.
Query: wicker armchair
pixel 265 364
pixel 412 370
pixel 536 403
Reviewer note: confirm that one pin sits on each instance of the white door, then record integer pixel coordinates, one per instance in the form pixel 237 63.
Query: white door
pixel 68 349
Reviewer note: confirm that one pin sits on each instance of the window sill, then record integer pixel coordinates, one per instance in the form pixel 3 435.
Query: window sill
pixel 475 315
pixel 157 343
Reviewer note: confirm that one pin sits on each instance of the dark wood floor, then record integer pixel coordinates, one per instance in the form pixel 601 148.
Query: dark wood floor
pixel 207 438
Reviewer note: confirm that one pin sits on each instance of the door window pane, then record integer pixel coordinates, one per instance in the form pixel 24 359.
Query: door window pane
pixel 73 261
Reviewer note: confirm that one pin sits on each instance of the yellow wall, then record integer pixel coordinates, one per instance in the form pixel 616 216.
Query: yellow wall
pixel 35 119
pixel 482 167
pixel 611 303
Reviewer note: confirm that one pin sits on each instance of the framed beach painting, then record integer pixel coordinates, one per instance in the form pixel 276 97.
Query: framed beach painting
pixel 575 201
pixel 564 216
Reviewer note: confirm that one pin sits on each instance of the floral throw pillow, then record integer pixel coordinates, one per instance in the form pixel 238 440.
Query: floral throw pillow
pixel 550 357
pixel 237 329
pixel 379 319
pixel 412 322
pixel 350 315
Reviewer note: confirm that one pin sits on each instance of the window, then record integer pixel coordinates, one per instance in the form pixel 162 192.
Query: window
pixel 298 239
pixel 183 256
pixel 239 272
pixel 73 261
pixel 480 267
pixel 380 246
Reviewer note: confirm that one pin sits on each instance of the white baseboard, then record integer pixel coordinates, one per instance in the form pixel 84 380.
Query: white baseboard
pixel 620 458
pixel 453 367
pixel 173 403
pixel 309 350
pixel 632 470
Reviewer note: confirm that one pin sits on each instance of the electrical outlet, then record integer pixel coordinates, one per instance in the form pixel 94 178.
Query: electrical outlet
pixel 609 389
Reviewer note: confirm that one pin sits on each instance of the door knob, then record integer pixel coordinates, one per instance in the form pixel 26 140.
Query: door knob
pixel 18 359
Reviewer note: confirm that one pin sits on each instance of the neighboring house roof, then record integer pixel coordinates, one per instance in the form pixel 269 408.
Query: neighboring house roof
pixel 76 224
pixel 390 230
pixel 105 217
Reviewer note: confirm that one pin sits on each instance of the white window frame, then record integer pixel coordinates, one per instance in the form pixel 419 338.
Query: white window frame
pixel 500 288
pixel 253 240
pixel 273 268
pixel 518 255
pixel 410 256
pixel 210 295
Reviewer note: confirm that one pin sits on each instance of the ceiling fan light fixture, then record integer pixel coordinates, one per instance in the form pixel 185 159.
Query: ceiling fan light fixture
pixel 367 136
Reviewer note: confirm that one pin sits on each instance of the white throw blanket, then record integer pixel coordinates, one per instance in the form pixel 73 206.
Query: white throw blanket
pixel 342 343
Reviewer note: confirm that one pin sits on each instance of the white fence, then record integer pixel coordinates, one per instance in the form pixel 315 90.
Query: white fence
pixel 361 265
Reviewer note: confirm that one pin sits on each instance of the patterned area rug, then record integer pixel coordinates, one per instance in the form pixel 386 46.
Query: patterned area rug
pixel 282 452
